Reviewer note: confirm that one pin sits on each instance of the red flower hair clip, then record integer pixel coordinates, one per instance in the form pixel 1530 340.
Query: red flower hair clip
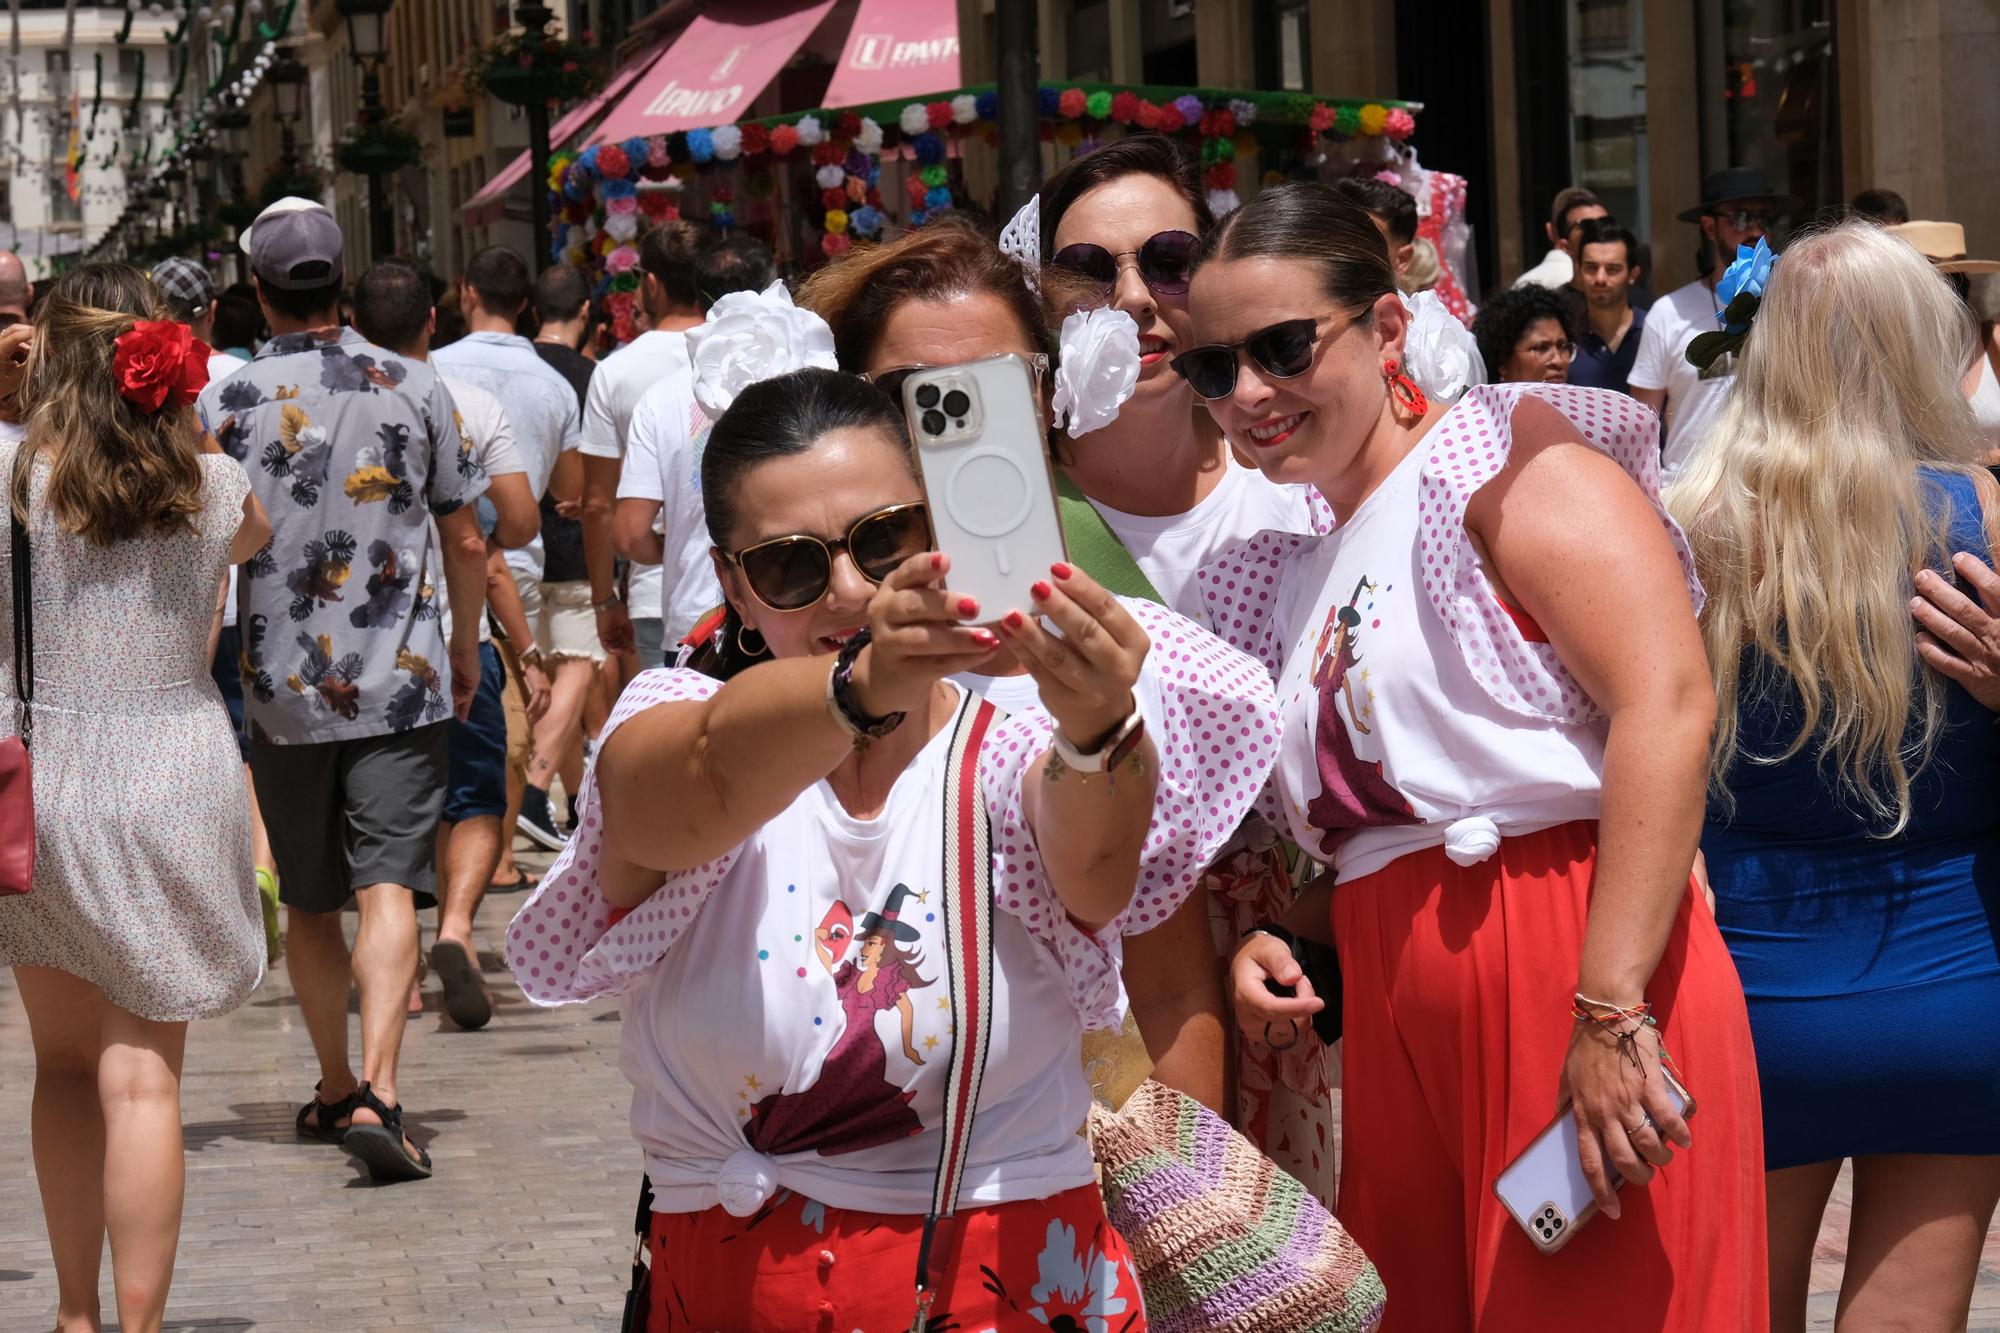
pixel 160 363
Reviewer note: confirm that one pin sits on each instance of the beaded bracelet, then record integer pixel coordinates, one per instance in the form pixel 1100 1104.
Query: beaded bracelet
pixel 1640 1016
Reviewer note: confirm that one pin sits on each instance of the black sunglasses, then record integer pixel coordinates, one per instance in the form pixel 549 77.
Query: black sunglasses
pixel 1166 261
pixel 1282 351
pixel 792 573
pixel 890 381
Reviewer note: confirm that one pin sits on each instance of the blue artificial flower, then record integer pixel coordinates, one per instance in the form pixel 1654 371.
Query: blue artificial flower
pixel 988 105
pixel 1048 102
pixel 865 220
pixel 1746 277
pixel 937 197
pixel 620 189
pixel 917 218
pixel 929 148
pixel 700 146
pixel 576 183
pixel 587 159
pixel 636 149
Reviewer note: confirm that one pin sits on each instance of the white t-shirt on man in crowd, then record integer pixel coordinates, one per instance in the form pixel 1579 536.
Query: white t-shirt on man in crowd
pixel 663 464
pixel 621 380
pixel 483 424
pixel 1675 320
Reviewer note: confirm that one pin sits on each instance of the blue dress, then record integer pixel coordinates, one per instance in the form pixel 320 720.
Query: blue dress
pixel 1871 965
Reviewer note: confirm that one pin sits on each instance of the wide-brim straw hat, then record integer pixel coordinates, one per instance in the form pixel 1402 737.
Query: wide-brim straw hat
pixel 1943 243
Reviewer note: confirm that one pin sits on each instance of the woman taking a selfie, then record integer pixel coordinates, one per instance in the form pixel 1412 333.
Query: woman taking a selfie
pixel 143 914
pixel 779 839
pixel 1496 717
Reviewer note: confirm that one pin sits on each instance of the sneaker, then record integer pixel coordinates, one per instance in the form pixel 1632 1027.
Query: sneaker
pixel 538 821
pixel 267 896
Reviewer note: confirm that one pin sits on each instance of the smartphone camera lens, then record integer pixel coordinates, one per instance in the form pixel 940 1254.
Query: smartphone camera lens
pixel 933 420
pixel 927 396
pixel 956 404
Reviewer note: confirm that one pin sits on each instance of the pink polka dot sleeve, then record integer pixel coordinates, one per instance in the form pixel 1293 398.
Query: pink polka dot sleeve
pixel 563 947
pixel 1217 738
pixel 1239 590
pixel 1467 449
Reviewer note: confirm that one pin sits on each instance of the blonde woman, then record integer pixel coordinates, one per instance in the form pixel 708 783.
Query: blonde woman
pixel 1850 832
pixel 143 913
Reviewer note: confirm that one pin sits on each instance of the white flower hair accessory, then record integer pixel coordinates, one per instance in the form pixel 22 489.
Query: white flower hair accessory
pixel 752 336
pixel 1099 369
pixel 1021 239
pixel 1440 353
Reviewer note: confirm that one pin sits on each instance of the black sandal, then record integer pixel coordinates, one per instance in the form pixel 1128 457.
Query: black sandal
pixel 326 1131
pixel 380 1147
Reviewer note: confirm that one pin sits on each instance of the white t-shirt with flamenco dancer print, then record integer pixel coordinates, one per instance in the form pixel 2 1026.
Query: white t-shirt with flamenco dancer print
pixel 788 1018
pixel 1419 710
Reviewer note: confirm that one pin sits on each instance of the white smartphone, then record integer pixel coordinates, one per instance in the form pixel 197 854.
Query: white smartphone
pixel 1544 1187
pixel 987 478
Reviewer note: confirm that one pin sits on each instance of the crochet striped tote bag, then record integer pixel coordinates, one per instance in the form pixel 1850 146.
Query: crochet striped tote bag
pixel 1224 1241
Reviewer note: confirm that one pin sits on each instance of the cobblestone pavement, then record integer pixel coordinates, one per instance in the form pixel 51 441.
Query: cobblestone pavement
pixel 526 1224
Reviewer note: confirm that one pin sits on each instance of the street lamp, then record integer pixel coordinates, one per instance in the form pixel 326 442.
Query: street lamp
pixel 534 18
pixel 368 41
pixel 287 78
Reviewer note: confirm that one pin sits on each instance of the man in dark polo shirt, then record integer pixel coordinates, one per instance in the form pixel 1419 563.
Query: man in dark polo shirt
pixel 1606 268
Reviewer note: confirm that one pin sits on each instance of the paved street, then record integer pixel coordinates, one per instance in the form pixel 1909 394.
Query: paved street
pixel 525 1226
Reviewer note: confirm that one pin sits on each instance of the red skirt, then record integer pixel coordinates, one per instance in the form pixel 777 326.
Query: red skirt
pixel 796 1266
pixel 1457 986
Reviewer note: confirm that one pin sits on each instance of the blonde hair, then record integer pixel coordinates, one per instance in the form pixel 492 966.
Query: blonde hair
pixel 1807 516
pixel 116 471
pixel 1424 270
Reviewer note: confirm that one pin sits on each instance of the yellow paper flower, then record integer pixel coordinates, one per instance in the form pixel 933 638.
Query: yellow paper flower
pixel 836 220
pixel 1373 117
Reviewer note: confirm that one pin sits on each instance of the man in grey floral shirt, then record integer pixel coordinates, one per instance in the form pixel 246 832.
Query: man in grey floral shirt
pixel 348 681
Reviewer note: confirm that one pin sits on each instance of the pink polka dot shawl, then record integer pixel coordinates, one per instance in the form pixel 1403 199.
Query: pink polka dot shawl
pixel 1466 449
pixel 1213 717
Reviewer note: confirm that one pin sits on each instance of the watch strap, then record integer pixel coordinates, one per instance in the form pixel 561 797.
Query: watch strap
pixel 1109 751
pixel 861 727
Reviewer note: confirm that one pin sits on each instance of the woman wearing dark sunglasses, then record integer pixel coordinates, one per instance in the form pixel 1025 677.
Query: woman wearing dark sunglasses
pixel 778 838
pixel 1496 729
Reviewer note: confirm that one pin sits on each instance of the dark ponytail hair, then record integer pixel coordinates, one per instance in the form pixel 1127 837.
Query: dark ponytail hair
pixel 773 419
pixel 1316 223
pixel 1145 154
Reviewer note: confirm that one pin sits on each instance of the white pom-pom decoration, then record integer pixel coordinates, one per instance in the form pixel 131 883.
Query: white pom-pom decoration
pixel 728 141
pixel 964 109
pixel 831 176
pixel 811 132
pixel 870 138
pixel 914 120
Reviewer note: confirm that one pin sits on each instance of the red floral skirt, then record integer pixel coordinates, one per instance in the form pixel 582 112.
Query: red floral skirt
pixel 797 1266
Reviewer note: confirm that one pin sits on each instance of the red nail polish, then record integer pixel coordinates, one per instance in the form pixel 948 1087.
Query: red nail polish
pixel 1041 590
pixel 968 607
pixel 937 560
pixel 986 638
pixel 1061 570
pixel 1015 620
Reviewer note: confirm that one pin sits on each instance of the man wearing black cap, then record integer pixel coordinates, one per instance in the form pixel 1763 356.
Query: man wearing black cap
pixel 1738 206
pixel 352 450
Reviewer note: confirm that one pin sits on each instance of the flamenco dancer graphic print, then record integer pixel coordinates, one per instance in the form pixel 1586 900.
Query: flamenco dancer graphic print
pixel 853 1105
pixel 1353 792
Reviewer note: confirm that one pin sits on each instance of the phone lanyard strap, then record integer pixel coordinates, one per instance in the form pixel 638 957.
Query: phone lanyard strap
pixel 968 904
pixel 24 605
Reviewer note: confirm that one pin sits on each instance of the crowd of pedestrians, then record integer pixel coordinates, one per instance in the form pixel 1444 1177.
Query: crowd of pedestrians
pixel 1577 728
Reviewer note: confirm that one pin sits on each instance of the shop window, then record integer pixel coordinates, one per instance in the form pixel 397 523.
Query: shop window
pixel 1088 44
pixel 1780 94
pixel 1284 45
pixel 1607 97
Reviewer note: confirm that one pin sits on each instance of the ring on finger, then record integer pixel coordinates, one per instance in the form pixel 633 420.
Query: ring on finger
pixel 1292 1033
pixel 1646 1121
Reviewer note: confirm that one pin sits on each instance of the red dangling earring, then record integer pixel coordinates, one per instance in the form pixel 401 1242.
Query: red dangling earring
pixel 1404 390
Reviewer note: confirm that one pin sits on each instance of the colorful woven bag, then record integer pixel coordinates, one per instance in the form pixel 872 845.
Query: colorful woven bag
pixel 1225 1242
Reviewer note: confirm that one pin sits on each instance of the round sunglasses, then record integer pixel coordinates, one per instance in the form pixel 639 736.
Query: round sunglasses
pixel 1166 261
pixel 1283 351
pixel 792 573
pixel 890 381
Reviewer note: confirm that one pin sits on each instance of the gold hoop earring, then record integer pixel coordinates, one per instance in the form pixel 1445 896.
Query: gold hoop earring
pixel 744 648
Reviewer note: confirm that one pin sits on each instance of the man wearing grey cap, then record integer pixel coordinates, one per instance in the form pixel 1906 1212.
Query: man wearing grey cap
pixel 190 294
pixel 352 450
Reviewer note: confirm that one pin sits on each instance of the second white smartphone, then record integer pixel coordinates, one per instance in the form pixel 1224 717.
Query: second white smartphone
pixel 988 481
pixel 1544 1188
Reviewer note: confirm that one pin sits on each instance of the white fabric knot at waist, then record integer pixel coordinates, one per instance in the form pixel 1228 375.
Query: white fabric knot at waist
pixel 746 1182
pixel 1471 840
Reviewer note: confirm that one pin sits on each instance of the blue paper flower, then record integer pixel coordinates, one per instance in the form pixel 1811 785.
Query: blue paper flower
pixel 865 220
pixel 988 105
pixel 700 146
pixel 587 159
pixel 576 183
pixel 937 197
pixel 636 149
pixel 620 189
pixel 929 148
pixel 1746 277
pixel 1048 102
pixel 917 218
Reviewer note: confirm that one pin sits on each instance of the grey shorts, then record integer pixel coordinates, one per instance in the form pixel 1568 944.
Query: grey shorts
pixel 649 633
pixel 343 815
